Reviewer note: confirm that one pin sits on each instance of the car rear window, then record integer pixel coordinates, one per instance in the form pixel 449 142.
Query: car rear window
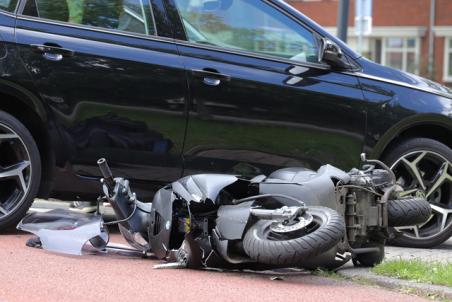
pixel 124 15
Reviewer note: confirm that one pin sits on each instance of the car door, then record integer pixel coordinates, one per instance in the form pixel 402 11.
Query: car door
pixel 260 99
pixel 113 85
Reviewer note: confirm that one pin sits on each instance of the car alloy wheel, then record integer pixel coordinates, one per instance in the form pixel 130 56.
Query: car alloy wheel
pixel 15 171
pixel 427 174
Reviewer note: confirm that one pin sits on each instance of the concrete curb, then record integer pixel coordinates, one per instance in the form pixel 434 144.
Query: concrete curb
pixel 422 289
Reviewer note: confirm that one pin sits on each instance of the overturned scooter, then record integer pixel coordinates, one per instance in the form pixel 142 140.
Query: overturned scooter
pixel 293 218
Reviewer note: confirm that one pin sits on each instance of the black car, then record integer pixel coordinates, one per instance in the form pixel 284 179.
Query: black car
pixel 165 88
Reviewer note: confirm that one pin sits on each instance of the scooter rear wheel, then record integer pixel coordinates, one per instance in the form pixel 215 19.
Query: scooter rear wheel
pixel 265 246
pixel 408 212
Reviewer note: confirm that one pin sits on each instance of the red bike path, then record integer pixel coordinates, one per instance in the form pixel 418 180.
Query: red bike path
pixel 29 274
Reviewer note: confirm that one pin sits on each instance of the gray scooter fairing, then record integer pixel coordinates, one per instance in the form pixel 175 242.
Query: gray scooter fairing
pixel 202 187
pixel 194 189
pixel 313 188
pixel 66 232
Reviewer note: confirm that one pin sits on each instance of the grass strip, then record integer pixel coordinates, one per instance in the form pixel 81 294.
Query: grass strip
pixel 417 270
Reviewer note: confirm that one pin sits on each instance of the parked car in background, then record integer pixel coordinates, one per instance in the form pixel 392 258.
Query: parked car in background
pixel 166 88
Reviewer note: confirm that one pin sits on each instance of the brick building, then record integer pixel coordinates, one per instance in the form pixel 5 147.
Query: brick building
pixel 400 36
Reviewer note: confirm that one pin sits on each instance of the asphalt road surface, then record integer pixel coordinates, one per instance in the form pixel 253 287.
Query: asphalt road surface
pixel 30 274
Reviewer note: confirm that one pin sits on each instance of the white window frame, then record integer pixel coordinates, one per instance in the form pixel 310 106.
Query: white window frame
pixel 404 49
pixel 447 51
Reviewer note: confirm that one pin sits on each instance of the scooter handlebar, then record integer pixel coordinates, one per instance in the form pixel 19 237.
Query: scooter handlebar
pixel 106 173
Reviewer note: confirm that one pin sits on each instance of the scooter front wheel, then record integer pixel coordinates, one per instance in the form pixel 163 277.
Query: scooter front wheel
pixel 265 244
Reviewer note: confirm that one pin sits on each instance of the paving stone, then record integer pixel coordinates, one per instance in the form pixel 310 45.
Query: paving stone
pixel 442 253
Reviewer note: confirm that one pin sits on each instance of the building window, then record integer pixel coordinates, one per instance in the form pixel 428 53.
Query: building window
pixel 397 52
pixel 448 61
pixel 401 53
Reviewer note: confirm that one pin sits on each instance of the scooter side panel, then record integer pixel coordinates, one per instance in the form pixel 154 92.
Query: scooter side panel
pixel 232 220
pixel 66 232
pixel 161 222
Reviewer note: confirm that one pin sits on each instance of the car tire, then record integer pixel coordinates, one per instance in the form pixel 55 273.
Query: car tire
pixel 20 170
pixel 423 167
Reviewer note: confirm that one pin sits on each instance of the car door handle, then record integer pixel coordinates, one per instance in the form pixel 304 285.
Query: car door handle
pixel 52 52
pixel 211 77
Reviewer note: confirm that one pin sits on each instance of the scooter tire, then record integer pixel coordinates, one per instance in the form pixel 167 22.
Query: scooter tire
pixel 370 259
pixel 329 232
pixel 408 212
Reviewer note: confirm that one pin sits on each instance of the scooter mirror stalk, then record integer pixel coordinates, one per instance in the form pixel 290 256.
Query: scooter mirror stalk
pixel 363 157
pixel 381 164
pixel 106 173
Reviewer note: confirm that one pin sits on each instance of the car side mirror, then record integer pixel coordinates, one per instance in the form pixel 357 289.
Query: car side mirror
pixel 332 54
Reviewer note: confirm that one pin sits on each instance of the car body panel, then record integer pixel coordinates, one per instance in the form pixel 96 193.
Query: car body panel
pixel 15 80
pixel 286 115
pixel 399 101
pixel 372 70
pixel 272 113
pixel 139 121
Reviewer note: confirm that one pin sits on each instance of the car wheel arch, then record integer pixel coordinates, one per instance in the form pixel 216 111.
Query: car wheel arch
pixel 29 111
pixel 433 126
pixel 32 101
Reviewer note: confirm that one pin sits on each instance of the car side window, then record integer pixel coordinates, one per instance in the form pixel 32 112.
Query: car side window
pixel 124 15
pixel 8 5
pixel 253 26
